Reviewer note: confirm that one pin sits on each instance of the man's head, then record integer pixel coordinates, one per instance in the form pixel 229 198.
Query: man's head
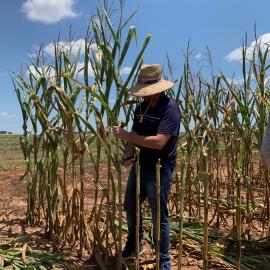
pixel 150 82
pixel 153 99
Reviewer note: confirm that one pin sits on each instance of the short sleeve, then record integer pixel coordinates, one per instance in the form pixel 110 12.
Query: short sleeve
pixel 170 121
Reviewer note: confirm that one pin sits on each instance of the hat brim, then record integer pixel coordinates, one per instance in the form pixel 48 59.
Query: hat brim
pixel 144 90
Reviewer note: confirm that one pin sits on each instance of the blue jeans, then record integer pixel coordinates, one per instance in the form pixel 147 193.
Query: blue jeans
pixel 148 190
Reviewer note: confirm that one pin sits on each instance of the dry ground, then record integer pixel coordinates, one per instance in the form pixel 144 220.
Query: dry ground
pixel 13 204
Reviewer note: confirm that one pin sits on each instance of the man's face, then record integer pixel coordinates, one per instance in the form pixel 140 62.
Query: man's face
pixel 153 99
pixel 147 99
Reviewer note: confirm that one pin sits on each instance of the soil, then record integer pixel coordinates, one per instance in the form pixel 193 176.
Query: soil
pixel 13 205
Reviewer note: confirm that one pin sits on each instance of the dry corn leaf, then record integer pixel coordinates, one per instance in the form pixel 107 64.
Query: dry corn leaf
pixel 2 262
pixel 24 258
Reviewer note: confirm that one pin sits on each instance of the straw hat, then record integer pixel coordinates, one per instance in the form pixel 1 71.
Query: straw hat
pixel 149 82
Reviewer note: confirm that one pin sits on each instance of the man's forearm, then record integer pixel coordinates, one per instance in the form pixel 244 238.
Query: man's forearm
pixel 152 142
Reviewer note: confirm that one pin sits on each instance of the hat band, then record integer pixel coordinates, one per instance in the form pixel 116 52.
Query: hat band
pixel 148 82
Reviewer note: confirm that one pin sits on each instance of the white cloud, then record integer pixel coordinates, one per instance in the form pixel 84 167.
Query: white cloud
pixel 198 56
pixel 50 72
pixel 236 55
pixel 266 81
pixel 48 11
pixel 49 49
pixel 125 70
pixel 80 70
pixel 238 81
pixel 74 45
pixel 5 114
pixel 44 70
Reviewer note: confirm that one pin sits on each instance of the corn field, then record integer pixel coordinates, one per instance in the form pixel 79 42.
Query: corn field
pixel 219 204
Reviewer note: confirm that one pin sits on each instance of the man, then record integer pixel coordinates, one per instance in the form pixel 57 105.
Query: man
pixel 155 131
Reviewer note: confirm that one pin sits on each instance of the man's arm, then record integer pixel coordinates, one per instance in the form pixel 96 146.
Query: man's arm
pixel 154 142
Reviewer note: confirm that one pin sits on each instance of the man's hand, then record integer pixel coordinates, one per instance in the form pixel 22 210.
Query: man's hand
pixel 127 161
pixel 119 132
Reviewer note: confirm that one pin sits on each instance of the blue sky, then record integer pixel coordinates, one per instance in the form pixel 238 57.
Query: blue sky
pixel 220 25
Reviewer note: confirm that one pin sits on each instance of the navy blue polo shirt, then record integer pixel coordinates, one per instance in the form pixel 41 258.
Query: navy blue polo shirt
pixel 164 118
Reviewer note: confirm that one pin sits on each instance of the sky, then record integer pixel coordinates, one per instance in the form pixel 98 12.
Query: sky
pixel 218 25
